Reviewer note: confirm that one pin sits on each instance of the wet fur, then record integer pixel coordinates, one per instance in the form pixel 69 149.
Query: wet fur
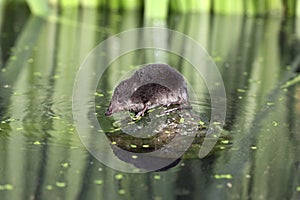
pixel 151 86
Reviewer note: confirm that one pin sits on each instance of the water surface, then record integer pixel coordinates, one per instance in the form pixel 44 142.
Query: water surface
pixel 41 156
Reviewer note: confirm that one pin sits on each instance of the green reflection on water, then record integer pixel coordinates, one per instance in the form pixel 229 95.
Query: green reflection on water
pixel 41 155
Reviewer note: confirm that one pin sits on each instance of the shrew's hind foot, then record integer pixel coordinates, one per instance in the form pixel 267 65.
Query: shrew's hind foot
pixel 142 112
pixel 188 107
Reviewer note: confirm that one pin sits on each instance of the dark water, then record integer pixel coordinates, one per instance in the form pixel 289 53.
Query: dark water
pixel 42 157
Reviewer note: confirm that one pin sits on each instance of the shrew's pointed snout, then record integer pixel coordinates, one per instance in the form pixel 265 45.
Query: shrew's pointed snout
pixel 108 113
pixel 114 107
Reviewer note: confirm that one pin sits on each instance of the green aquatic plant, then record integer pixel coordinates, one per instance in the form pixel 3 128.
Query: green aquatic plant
pixel 154 9
pixel 39 8
pixel 291 82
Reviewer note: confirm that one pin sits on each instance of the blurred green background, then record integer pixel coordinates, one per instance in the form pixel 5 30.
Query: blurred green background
pixel 255 44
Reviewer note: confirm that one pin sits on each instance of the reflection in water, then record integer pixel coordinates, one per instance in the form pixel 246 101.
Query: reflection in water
pixel 42 157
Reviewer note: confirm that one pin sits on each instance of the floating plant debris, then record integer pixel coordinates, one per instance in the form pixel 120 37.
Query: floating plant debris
pixel 98 182
pixel 223 176
pixel 118 176
pixel 121 191
pixel 60 184
pixel 6 187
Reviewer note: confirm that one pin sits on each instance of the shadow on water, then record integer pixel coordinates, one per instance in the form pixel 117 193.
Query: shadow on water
pixel 41 156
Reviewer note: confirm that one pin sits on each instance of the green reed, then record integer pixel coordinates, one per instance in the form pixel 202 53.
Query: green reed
pixel 161 8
